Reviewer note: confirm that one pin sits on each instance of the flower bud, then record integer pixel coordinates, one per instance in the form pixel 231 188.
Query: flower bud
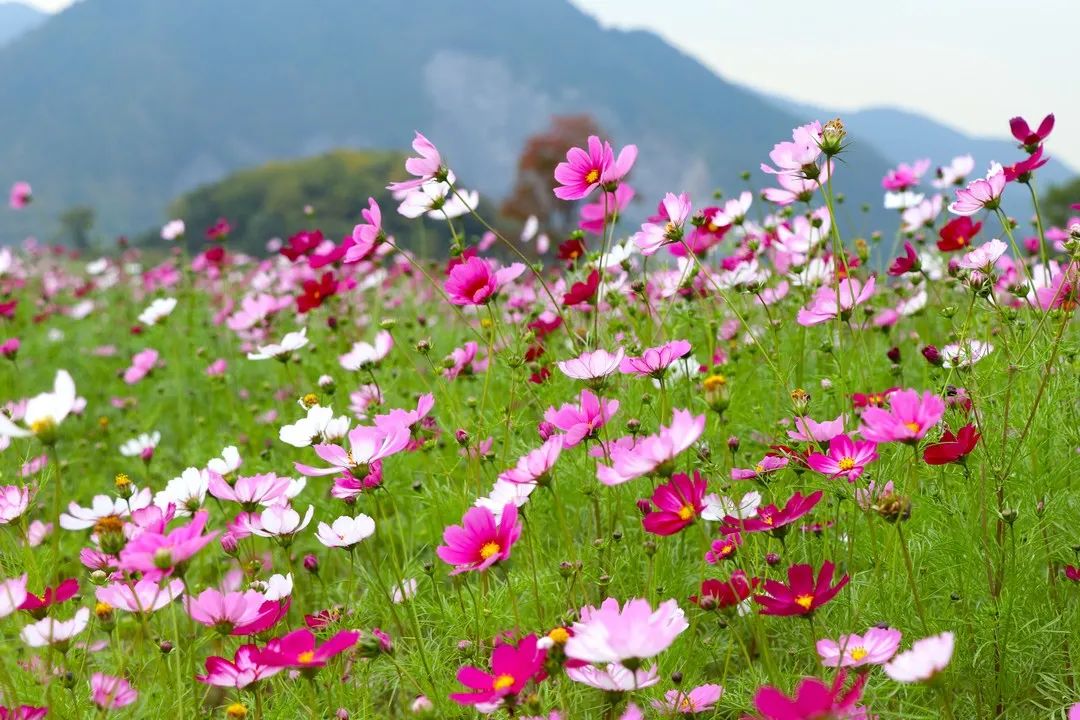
pixel 832 137
pixel 772 559
pixel 229 544
pixel 717 393
pixel 800 401
pixel 311 563
pixel 933 355
pixel 893 354
pixel 236 711
pixel 545 430
pixel 893 507
pixel 733 443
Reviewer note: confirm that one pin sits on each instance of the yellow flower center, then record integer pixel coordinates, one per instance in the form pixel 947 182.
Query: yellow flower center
pixel 759 468
pixel 858 653
pixel 236 711
pixel 912 426
pixel 43 426
pixel 502 682
pixel 715 381
pixel 109 524
pixel 489 549
pixel 102 610
pixel 306 657
pixel 559 635
pixel 961 241
pixel 804 601
pixel 310 400
pixel 846 463
pixel 121 481
pixel 768 520
pixel 592 176
pixel 686 512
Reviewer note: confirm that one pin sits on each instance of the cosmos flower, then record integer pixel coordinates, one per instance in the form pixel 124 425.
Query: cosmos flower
pixel 345 532
pixel 173 230
pixel 627 634
pixel 157 552
pixel 952 448
pixel 20 195
pixel 669 226
pixel 874 647
pixel 846 458
pixel 593 365
pixel 655 361
pixel 697 700
pixel 909 417
pixel 366 445
pixel 366 235
pixel 586 170
pixel 111 693
pixel 615 678
pixel 298 649
pixel 480 541
pixel 964 355
pixel 512 668
pixel 582 420
pixel 142 446
pixel 239 673
pixel 1028 138
pixel 769 464
pixel 535 467
pixel 725 594
pixel 957 234
pixel 803 593
pixel 12 595
pixel 157 311
pixel 652 453
pixel 142 363
pixel 809 430
pixel 824 307
pixel 144 596
pixel 678 503
pixel 425 168
pixel 50 631
pixel 475 282
pixel 813 700
pixel 983 257
pixel 13 502
pixel 364 355
pixel 769 518
pixel 981 193
pixel 44 412
pixel 925 659
pixel 281 351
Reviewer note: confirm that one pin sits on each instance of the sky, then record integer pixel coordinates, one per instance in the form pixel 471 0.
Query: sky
pixel 971 64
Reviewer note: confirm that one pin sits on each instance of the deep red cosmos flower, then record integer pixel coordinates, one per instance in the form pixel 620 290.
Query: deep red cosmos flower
pixel 1072 572
pixel 38 605
pixel 316 292
pixel 724 594
pixel 813 699
pixel 1026 137
pixel 803 594
pixel 877 399
pixel 770 518
pixel 571 249
pixel 678 501
pixel 469 252
pixel 957 234
pixel 302 243
pixel 952 448
pixel 908 262
pixel 1021 171
pixel 219 230
pixel 582 292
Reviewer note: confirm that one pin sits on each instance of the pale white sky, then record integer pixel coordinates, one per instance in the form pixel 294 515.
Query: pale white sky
pixel 972 64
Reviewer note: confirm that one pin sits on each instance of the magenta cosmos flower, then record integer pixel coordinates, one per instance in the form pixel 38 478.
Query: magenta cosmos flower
pixel 583 420
pixel 769 518
pixel 234 613
pixel 846 458
pixel 474 282
pixel 427 167
pixel 769 464
pixel 698 700
pixel 655 361
pixel 1031 139
pixel 478 543
pixel 20 195
pixel 908 418
pixel 813 700
pixel 366 445
pixel 678 501
pixel 982 193
pixel 298 649
pixel 512 668
pixel 627 634
pixel 652 453
pixel 874 647
pixel 925 659
pixel 585 170
pixel 141 365
pixel 594 365
pixel 803 593
pixel 824 306
pixel 155 552
pixel 535 467
pixel 241 672
pixel 26 712
pixel 110 693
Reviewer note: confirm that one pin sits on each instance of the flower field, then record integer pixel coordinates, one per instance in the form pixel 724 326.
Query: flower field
pixel 736 461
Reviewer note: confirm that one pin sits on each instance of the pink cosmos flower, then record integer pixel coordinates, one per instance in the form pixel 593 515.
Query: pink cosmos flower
pixel 512 668
pixel 981 193
pixel 769 518
pixel 655 361
pixel 594 365
pixel 535 467
pixel 585 170
pixel 366 235
pixel 241 672
pixel 13 502
pixel 908 418
pixel 627 634
pixel 298 649
pixel 1028 138
pixel 478 543
pixel 796 188
pixel 823 306
pixel 583 420
pixel 366 445
pixel 667 227
pixel 925 659
pixel 20 195
pixel 145 596
pixel 652 453
pixel 813 700
pixel 983 257
pixel 769 464
pixel 904 176
pixel 474 282
pixel 111 693
pixel 427 167
pixel 363 355
pixel 592 214
pixel 217 368
pixel 23 712
pixel 153 552
pixel 251 492
pixel 679 502
pixel 236 613
pixel 807 429
pixel 12 595
pixel 615 678
pixel 875 647
pixel 846 457
pixel 700 699
pixel 141 365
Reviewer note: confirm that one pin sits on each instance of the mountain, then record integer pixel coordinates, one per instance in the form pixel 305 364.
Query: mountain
pixel 904 136
pixel 125 104
pixel 17 19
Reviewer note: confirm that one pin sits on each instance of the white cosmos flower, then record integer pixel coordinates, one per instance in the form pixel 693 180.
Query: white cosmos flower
pixel 345 532
pixel 902 200
pixel 187 492
pixel 102 506
pixel 616 255
pixel 614 677
pixel 503 493
pixel 136 447
pixel 963 355
pixel 717 508
pixel 403 591
pixel 320 426
pixel 280 351
pixel 439 201
pixel 44 412
pixel 51 631
pixel 227 463
pixel 158 309
pixel 276 587
pixel 528 232
pixel 172 230
pixel 363 355
pixel 282 521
